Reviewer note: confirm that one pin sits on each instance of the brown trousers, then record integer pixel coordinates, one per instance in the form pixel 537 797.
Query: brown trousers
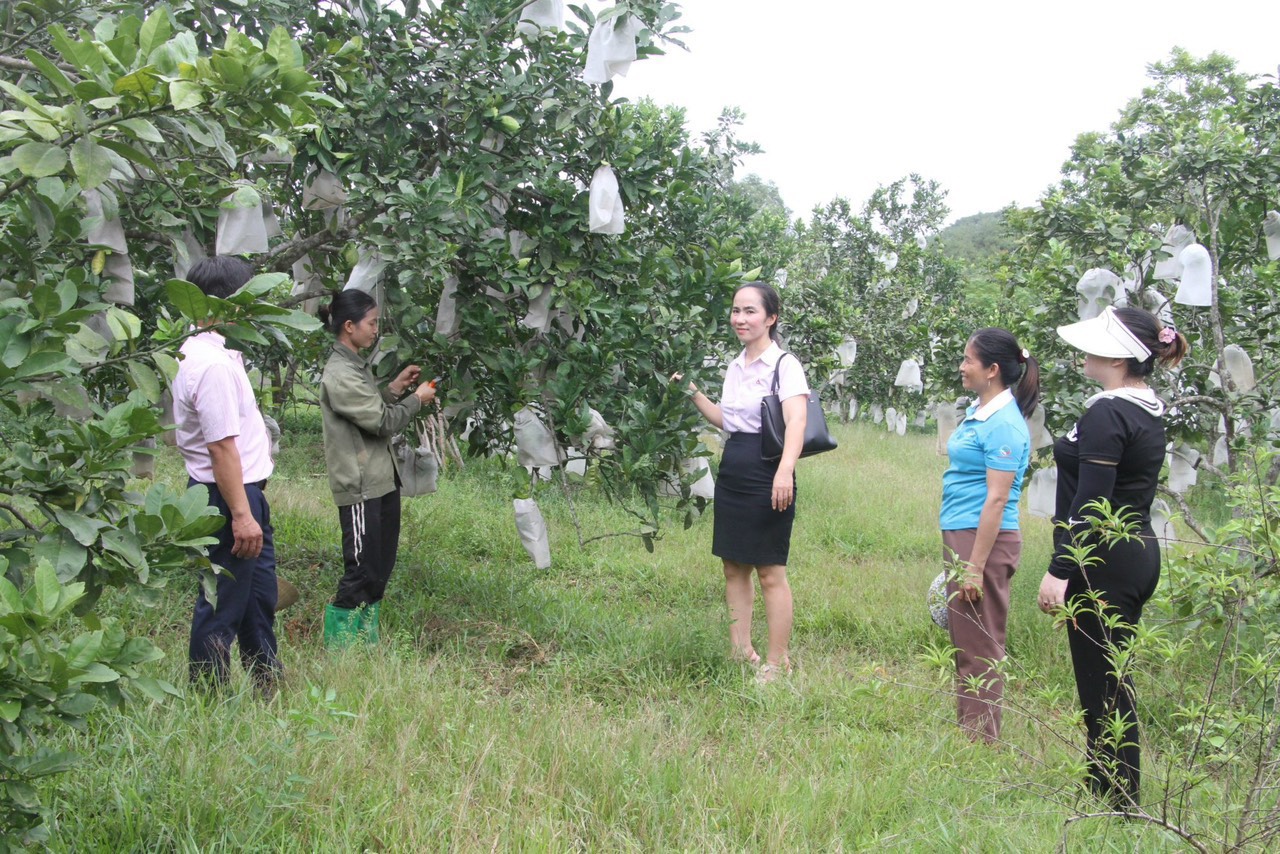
pixel 978 630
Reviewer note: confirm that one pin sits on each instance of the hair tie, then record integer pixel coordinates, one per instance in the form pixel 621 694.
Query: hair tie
pixel 1167 335
pixel 1023 355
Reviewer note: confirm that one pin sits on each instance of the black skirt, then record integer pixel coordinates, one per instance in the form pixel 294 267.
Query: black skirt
pixel 747 529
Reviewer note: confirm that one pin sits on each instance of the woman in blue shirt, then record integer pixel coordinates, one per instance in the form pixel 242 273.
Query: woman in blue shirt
pixel 989 454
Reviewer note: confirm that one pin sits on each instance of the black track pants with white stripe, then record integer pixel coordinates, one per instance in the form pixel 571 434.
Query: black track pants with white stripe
pixel 370 538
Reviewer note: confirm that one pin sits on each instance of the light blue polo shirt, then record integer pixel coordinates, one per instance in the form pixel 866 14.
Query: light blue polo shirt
pixel 994 436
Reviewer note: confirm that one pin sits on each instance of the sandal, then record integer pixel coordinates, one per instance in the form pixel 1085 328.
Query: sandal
pixel 748 657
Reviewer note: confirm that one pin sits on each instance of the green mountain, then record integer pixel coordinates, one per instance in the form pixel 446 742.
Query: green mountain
pixel 975 239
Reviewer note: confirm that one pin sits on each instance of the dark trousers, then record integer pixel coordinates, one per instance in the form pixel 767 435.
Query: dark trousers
pixel 246 602
pixel 978 631
pixel 1124 582
pixel 370 540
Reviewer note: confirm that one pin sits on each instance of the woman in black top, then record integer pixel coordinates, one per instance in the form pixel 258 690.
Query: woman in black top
pixel 1114 452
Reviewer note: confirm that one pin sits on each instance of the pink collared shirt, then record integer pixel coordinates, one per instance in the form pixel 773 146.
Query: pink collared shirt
pixel 745 383
pixel 213 399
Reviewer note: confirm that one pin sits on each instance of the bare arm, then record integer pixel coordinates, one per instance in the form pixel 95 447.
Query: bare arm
pixel 999 485
pixel 229 477
pixel 795 415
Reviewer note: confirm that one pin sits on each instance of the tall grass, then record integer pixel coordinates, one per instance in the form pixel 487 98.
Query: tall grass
pixel 592 706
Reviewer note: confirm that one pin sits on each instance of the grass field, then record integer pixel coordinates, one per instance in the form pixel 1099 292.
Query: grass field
pixel 592 706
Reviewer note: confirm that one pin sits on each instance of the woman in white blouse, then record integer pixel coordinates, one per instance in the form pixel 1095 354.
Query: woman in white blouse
pixel 755 501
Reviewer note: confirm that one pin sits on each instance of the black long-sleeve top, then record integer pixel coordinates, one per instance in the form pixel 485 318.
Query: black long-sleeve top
pixel 1115 452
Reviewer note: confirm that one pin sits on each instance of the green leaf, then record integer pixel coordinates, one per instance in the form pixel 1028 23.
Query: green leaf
pixel 242 333
pixel 124 543
pixel 66 555
pixel 187 298
pixel 129 153
pixel 284 50
pixel 39 159
pixel 154 689
pixel 44 362
pixel 124 325
pixel 140 84
pixel 90 162
pixel 258 286
pixel 48 762
pixel 142 129
pixel 96 673
pixel 83 650
pixel 10 599
pixel 81 54
pixel 24 98
pixel 9 710
pixel 67 295
pixel 52 72
pixel 167 365
pixel 144 380
pixel 82 528
pixel 14 345
pixel 48 590
pixel 298 320
pixel 45 302
pixel 185 95
pixel 230 69
pixel 155 31
pixel 86 346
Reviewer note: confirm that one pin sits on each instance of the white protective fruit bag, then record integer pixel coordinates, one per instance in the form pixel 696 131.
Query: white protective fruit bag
pixel 447 322
pixel 1196 285
pixel 606 214
pixel 535 443
pixel 533 531
pixel 541 15
pixel 611 48
pixel 241 229
pixel 909 376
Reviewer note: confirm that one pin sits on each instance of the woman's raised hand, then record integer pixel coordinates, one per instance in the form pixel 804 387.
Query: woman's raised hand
pixel 677 376
pixel 407 377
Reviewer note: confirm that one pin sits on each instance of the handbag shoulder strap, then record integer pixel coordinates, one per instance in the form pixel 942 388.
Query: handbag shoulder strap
pixel 777 365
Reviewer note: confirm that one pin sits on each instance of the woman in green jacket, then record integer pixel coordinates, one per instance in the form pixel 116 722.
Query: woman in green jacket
pixel 359 421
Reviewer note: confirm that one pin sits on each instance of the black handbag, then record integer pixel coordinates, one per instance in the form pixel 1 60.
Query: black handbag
pixel 773 429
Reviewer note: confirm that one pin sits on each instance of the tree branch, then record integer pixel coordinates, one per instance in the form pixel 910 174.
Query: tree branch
pixel 1185 509
pixel 29 67
pixel 15 513
pixel 1139 815
pixel 282 257
pixel 1203 463
pixel 1220 405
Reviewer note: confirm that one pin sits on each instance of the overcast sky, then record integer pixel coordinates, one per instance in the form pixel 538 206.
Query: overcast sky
pixel 984 97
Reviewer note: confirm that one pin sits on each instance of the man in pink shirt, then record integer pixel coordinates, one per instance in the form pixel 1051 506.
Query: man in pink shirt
pixel 226 447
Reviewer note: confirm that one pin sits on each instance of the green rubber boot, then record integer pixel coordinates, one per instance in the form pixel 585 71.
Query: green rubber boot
pixel 369 622
pixel 341 626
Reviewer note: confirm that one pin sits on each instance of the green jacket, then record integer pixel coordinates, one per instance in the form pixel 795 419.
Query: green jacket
pixel 359 421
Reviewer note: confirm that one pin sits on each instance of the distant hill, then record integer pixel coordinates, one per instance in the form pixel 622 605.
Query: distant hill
pixel 975 239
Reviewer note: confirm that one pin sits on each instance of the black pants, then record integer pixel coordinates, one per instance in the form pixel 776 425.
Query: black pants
pixel 246 602
pixel 1124 582
pixel 370 539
